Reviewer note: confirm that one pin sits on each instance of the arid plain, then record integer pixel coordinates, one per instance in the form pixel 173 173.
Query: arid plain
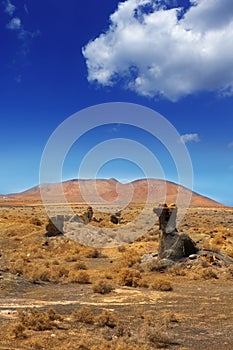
pixel 59 294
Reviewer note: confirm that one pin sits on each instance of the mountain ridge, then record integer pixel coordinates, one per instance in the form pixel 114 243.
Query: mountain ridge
pixel 111 190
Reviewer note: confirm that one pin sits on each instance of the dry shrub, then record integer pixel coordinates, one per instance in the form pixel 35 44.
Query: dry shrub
pixel 129 277
pixel 108 276
pixel 35 221
pixel 17 267
pixel 177 270
pixel 159 338
pixel 219 239
pixel 41 274
pixel 37 344
pixel 83 315
pixel 130 258
pixel 121 248
pixel 209 273
pixel 55 262
pixel 154 265
pixel 170 317
pixel 93 253
pixel 106 318
pixel 71 258
pixel 80 265
pixel 161 285
pixel 143 282
pixel 46 272
pixel 17 330
pixel 81 277
pixel 38 320
pixel 102 287
pixel 204 262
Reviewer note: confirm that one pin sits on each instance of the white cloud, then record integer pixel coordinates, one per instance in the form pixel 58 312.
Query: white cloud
pixel 9 8
pixel 14 24
pixel 230 145
pixel 155 51
pixel 190 138
pixel 24 35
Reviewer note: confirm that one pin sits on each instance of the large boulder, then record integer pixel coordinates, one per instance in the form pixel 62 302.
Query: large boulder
pixel 55 226
pixel 173 245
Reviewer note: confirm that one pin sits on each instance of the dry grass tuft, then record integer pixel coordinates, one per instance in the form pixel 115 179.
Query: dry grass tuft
pixel 106 319
pixel 177 270
pixel 93 253
pixel 159 338
pixel 130 257
pixel 80 265
pixel 102 287
pixel 81 277
pixel 129 277
pixel 38 320
pixel 17 330
pixel 83 315
pixel 161 285
pixel 35 221
pixel 209 273
pixel 169 318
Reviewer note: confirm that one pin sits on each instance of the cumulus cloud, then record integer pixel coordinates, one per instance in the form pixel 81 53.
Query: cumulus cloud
pixel 190 138
pixel 9 7
pixel 157 48
pixel 14 24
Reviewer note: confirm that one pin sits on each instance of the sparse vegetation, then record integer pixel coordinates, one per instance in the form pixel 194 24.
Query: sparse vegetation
pixel 161 285
pixel 83 315
pixel 106 298
pixel 81 277
pixel 106 319
pixel 102 287
pixel 129 277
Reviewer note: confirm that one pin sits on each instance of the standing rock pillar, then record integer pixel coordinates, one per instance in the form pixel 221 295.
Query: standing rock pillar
pixel 173 245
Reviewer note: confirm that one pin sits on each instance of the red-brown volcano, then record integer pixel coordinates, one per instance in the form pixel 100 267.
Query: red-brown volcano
pixel 95 191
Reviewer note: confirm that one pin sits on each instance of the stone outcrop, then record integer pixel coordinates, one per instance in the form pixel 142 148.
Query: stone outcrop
pixel 84 218
pixel 114 219
pixel 173 245
pixel 87 216
pixel 55 226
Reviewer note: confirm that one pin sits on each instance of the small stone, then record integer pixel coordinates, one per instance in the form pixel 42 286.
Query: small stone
pixel 115 220
pixel 193 256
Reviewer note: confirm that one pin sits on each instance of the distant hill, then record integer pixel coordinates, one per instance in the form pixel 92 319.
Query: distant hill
pixel 110 190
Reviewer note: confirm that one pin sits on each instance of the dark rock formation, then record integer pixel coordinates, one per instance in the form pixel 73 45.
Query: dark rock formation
pixel 114 219
pixel 87 216
pixel 55 226
pixel 84 218
pixel 173 245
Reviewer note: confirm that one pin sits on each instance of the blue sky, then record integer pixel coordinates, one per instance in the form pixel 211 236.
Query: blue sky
pixel 175 57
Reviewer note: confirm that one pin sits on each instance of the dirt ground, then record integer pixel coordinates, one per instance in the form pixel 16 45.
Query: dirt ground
pixel 56 293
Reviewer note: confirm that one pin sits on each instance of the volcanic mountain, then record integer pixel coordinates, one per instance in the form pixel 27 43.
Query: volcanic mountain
pixel 109 191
